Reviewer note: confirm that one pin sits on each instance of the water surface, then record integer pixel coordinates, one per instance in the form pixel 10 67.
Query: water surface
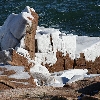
pixel 81 17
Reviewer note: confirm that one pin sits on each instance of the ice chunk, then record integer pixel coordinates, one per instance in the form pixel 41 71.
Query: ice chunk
pixel 8 41
pixel 72 72
pixel 17 26
pixel 76 78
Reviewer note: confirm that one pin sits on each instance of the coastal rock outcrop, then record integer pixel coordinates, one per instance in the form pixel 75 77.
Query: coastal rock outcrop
pixel 47 46
pixel 41 49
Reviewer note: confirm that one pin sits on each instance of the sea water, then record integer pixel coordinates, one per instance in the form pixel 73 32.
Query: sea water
pixel 81 17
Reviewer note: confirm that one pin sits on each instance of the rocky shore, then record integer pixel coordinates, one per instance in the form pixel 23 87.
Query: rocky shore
pixel 87 89
pixel 38 63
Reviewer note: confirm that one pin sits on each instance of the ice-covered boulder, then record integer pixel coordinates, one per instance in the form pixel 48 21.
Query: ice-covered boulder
pixel 20 28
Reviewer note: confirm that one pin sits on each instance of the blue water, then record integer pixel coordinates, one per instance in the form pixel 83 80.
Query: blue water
pixel 81 17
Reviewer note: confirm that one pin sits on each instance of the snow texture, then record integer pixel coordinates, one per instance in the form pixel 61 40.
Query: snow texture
pixel 71 44
pixel 23 52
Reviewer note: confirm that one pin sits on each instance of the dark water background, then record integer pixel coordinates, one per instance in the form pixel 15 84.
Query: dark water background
pixel 81 17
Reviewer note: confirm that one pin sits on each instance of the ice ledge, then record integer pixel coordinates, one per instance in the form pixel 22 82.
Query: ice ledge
pixel 52 40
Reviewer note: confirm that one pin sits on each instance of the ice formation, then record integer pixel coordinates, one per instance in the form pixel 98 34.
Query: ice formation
pixel 44 47
pixel 71 44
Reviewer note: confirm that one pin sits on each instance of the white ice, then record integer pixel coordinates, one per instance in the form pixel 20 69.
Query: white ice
pixel 14 29
pixel 71 44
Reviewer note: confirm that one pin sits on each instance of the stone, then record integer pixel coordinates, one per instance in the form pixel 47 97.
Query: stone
pixel 19 60
pixel 62 63
pixel 30 35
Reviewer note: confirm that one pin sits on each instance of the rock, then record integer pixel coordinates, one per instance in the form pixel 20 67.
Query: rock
pixel 68 51
pixel 20 28
pixel 30 35
pixel 20 60
pixel 41 73
pixel 89 98
pixel 71 85
pixel 5 56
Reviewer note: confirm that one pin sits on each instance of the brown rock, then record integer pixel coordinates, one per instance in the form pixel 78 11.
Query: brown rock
pixel 62 63
pixel 89 98
pixel 71 85
pixel 5 81
pixel 20 60
pixel 93 67
pixel 30 35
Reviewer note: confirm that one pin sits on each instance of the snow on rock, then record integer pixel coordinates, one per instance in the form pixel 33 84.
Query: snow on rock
pixel 92 52
pixel 70 73
pixel 19 72
pixel 23 52
pixel 67 76
pixel 57 79
pixel 27 9
pixel 19 32
pixel 58 51
pixel 87 44
pixel 46 58
pixel 15 28
pixel 5 56
pixel 39 69
pixel 69 45
pixel 49 41
pixel 42 74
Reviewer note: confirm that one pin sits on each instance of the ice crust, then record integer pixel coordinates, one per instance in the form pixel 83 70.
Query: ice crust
pixel 71 44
